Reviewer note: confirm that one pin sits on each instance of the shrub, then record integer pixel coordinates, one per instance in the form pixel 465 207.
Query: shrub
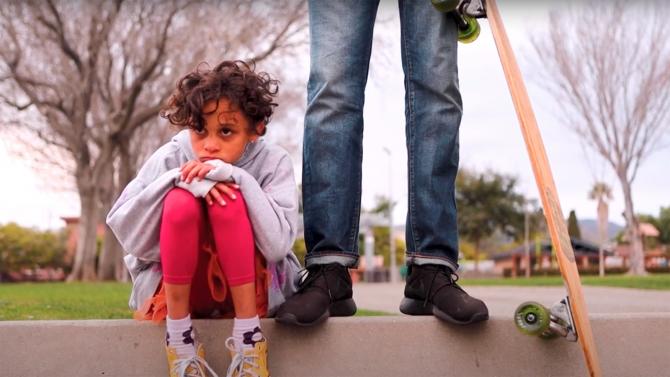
pixel 26 248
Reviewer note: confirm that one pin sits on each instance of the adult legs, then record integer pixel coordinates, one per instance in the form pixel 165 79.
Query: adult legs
pixel 433 110
pixel 340 45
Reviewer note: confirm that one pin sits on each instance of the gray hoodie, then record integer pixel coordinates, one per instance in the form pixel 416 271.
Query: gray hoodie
pixel 265 176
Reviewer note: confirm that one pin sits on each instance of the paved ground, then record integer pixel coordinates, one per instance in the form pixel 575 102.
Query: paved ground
pixel 503 300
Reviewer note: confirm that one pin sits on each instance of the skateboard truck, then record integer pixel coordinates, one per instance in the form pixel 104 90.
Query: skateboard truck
pixel 465 13
pixel 561 320
pixel 533 318
pixel 472 8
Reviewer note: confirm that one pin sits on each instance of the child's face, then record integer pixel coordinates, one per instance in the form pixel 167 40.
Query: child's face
pixel 225 135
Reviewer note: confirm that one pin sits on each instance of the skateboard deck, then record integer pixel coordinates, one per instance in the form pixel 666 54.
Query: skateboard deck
pixel 572 312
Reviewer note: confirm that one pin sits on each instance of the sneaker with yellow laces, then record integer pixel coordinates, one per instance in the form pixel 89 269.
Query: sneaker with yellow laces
pixel 249 362
pixel 195 366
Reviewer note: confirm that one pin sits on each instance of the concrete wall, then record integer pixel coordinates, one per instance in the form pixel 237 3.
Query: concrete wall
pixel 628 344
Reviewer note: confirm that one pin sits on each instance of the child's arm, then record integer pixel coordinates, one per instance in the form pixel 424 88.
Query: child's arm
pixel 272 205
pixel 135 216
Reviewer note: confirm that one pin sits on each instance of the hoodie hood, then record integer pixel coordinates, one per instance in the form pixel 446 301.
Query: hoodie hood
pixel 183 140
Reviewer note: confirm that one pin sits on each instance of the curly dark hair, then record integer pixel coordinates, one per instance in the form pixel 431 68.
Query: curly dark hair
pixel 250 92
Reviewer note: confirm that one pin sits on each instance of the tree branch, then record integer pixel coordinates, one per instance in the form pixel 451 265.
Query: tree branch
pixel 58 29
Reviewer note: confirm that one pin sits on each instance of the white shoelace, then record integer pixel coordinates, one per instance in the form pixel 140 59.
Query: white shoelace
pixel 241 362
pixel 196 362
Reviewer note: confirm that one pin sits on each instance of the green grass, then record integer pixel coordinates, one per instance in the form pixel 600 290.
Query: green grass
pixel 659 281
pixel 370 313
pixel 32 301
pixel 28 301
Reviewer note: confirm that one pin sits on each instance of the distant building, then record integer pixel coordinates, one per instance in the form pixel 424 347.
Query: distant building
pixel 655 254
pixel 72 226
pixel 513 262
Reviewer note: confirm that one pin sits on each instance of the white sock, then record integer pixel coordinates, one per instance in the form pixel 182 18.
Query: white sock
pixel 180 336
pixel 247 332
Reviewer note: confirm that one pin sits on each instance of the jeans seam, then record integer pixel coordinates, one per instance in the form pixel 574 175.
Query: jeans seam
pixel 355 220
pixel 410 127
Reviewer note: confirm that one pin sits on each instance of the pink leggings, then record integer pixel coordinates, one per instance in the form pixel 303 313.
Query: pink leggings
pixel 180 237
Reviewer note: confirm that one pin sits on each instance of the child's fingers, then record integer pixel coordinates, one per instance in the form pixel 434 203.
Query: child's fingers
pixel 193 173
pixel 232 184
pixel 186 169
pixel 217 196
pixel 206 168
pixel 226 190
pixel 208 199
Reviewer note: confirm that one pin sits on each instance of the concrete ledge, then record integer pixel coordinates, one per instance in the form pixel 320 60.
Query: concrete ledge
pixel 628 344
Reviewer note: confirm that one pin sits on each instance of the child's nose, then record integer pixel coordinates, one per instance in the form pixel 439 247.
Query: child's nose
pixel 211 145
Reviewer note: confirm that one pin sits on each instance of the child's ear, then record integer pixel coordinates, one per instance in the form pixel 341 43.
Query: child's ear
pixel 260 130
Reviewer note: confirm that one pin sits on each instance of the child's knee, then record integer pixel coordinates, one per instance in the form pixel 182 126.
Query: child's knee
pixel 232 211
pixel 180 207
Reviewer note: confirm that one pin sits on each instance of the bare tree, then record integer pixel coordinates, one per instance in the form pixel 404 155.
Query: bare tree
pixel 607 64
pixel 97 73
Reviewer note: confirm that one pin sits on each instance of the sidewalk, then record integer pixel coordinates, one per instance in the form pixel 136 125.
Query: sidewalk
pixel 502 301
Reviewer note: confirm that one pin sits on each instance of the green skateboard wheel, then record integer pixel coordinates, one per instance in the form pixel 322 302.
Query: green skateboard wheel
pixel 445 5
pixel 532 318
pixel 471 32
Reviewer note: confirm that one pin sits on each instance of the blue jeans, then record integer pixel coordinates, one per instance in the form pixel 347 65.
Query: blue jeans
pixel 340 45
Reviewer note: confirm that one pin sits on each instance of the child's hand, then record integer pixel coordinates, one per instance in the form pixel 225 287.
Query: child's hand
pixel 195 169
pixel 217 192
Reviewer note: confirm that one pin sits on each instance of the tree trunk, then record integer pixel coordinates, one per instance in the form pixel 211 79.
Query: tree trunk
pixel 603 219
pixel 477 256
pixel 111 254
pixel 111 261
pixel 84 261
pixel 110 247
pixel 633 231
pixel 122 273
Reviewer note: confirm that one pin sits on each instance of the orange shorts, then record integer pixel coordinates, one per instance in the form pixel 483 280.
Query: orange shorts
pixel 210 294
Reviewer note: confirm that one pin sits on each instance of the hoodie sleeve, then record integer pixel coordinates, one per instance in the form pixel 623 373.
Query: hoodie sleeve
pixel 135 217
pixel 272 205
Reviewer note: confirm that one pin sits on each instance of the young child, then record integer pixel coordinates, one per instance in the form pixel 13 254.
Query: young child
pixel 210 219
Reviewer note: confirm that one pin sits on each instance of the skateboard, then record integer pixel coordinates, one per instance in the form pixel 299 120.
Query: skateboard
pixel 567 318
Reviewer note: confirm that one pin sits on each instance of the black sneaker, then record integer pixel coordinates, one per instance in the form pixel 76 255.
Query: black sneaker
pixel 432 289
pixel 325 291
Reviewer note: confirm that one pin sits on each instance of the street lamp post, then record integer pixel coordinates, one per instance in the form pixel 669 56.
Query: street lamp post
pixel 390 215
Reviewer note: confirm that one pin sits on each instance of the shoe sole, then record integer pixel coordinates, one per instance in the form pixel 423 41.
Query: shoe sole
pixel 416 307
pixel 342 308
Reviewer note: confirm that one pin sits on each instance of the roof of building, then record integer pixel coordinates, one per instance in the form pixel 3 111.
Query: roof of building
pixel 580 247
pixel 649 230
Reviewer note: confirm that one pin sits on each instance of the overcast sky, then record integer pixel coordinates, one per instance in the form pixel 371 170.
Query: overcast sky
pixel 490 134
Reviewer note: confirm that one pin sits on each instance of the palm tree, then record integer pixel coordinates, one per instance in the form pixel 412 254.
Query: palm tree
pixel 602 193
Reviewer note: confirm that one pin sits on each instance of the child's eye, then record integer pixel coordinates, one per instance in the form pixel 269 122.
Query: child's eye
pixel 226 131
pixel 199 132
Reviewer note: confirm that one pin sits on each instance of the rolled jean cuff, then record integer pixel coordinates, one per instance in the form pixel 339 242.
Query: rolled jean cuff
pixel 419 259
pixel 346 260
